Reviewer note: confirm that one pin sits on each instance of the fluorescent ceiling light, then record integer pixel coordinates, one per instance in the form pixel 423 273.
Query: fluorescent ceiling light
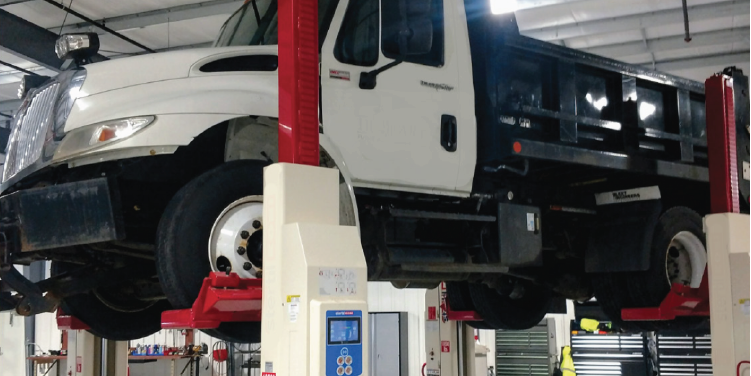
pixel 503 6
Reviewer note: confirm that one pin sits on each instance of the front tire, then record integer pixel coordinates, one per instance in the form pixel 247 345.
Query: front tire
pixel 115 320
pixel 184 232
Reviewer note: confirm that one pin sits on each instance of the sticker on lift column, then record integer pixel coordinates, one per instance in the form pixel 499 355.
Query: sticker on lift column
pixel 445 346
pixel 293 307
pixel 337 281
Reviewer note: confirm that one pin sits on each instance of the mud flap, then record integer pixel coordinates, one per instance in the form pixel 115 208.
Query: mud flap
pixel 622 239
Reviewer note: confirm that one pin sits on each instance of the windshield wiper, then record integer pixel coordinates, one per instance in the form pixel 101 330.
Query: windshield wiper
pixel 257 13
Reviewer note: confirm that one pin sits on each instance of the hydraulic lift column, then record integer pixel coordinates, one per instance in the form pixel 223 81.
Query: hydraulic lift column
pixel 449 341
pixel 314 273
pixel 728 230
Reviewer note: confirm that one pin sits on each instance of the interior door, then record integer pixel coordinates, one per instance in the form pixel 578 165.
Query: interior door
pixel 412 129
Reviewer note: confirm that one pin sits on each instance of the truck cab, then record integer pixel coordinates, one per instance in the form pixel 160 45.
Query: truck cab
pixel 518 172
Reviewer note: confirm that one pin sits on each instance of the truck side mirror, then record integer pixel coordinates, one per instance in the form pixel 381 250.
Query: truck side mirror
pixel 407 27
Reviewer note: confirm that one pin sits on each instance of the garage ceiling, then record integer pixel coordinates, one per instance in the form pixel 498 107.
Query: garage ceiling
pixel 646 32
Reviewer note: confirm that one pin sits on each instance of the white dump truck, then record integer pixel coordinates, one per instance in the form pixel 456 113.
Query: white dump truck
pixel 519 172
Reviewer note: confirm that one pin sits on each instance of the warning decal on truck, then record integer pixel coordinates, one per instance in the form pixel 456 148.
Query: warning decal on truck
pixel 628 195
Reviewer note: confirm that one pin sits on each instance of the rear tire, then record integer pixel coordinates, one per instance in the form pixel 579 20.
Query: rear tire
pixel 503 312
pixel 678 227
pixel 615 291
pixel 183 237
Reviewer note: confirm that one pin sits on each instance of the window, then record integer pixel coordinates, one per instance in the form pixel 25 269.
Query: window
pixel 244 29
pixel 390 43
pixel 357 43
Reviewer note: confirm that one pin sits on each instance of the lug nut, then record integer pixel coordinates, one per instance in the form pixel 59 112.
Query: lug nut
pixel 247 266
pixel 240 251
pixel 244 234
pixel 256 224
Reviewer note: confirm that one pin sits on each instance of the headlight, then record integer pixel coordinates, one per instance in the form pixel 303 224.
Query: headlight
pixel 77 46
pixel 69 92
pixel 94 136
pixel 29 82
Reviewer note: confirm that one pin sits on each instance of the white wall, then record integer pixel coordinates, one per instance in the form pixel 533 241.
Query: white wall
pixel 12 355
pixel 382 297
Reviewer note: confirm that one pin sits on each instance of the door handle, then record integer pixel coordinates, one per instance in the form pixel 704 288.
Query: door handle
pixel 448 132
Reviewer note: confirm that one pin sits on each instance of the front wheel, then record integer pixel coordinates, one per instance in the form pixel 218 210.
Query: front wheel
pixel 113 312
pixel 203 229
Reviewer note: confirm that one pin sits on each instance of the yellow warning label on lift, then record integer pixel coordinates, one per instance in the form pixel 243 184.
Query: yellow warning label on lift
pixel 291 298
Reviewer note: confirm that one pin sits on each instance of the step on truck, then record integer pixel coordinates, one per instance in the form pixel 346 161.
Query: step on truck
pixel 519 172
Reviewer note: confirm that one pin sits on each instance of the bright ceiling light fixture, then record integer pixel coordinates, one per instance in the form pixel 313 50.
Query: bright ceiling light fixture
pixel 503 6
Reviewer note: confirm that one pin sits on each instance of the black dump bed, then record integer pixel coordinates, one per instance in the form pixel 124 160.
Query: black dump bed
pixel 540 101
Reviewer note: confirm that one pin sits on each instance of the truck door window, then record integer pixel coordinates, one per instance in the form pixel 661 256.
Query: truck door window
pixel 357 42
pixel 390 49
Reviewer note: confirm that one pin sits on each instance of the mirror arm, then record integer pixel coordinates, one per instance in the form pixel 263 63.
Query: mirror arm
pixel 368 79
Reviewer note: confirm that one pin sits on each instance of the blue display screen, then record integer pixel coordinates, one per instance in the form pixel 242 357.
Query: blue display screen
pixel 344 330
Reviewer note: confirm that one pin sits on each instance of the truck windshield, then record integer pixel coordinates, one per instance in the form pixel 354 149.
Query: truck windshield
pixel 244 29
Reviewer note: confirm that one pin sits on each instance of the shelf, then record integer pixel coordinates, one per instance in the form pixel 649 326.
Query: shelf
pixel 158 357
pixel 44 359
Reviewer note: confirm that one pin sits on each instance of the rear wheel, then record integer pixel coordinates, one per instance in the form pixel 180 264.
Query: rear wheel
pixel 677 255
pixel 112 312
pixel 520 306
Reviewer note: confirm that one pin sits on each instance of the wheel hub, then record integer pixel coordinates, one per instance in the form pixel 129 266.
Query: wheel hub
pixel 686 259
pixel 235 242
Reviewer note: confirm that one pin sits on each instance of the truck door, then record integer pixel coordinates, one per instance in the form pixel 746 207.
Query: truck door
pixel 416 126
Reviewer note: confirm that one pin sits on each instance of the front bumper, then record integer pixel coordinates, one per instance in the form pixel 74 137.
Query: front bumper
pixel 61 215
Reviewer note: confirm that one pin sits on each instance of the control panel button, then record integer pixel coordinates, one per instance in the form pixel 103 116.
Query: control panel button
pixel 340 371
pixel 348 370
pixel 340 360
pixel 348 360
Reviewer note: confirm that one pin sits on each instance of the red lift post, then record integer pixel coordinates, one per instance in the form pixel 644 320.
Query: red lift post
pixel 725 197
pixel 229 298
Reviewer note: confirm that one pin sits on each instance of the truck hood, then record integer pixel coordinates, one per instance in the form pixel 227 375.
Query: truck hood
pixel 143 69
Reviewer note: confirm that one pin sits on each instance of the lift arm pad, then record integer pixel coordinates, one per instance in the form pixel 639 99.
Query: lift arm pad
pixel 622 239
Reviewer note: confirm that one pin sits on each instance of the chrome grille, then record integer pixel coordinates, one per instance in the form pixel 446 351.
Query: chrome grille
pixel 30 127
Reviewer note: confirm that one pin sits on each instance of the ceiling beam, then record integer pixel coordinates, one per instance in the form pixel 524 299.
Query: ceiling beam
pixel 644 20
pixel 11 2
pixel 703 61
pixel 161 16
pixel 28 41
pixel 646 46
